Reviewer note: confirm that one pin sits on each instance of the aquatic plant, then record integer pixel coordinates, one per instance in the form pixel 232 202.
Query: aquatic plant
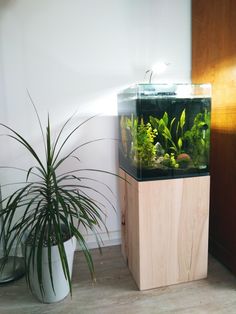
pixel 198 139
pixel 145 147
pixel 138 140
pixel 165 142
pixel 180 131
pixel 165 130
pixel 124 138
pixel 170 161
pixel 129 135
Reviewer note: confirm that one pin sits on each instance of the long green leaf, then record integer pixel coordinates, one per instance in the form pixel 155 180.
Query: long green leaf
pixel 182 119
pixel 39 121
pixel 71 133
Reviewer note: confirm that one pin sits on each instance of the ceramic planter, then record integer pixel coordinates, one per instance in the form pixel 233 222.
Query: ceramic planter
pixel 61 285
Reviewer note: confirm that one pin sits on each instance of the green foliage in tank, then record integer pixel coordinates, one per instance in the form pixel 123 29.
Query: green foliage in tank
pixel 198 139
pixel 169 160
pixel 145 148
pixel 164 142
pixel 165 134
pixel 142 149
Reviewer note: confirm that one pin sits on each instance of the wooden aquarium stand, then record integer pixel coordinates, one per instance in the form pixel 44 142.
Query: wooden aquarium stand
pixel 165 229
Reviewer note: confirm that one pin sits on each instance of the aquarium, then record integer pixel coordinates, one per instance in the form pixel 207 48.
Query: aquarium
pixel 164 130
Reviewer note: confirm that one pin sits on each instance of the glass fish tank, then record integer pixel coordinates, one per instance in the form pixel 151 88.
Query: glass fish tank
pixel 164 130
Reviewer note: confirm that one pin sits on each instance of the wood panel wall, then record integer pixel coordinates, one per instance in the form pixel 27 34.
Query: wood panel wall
pixel 214 61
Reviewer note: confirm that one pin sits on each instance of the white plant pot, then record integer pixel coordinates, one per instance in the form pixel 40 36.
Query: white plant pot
pixel 60 283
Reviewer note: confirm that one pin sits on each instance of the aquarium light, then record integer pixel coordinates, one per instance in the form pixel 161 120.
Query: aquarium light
pixel 157 68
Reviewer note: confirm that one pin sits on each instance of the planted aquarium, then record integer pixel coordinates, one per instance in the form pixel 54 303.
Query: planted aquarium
pixel 164 130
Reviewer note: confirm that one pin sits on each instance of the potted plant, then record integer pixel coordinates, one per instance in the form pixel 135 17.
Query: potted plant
pixel 52 206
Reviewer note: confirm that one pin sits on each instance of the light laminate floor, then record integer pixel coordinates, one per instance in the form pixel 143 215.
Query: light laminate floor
pixel 115 292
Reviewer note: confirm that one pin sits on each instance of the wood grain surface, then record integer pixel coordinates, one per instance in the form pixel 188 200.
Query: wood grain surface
pixel 214 61
pixel 166 228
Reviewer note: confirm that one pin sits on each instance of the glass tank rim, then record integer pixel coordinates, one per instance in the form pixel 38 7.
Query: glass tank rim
pixel 147 90
pixel 173 84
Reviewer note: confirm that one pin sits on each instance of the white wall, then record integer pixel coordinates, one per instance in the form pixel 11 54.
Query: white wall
pixel 76 55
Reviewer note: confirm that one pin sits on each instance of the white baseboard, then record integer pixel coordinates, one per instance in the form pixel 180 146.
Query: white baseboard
pixel 113 238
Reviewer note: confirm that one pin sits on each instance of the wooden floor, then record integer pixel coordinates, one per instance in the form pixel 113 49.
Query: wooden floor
pixel 115 292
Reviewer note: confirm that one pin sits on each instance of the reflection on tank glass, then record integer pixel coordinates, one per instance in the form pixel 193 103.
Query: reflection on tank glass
pixel 164 130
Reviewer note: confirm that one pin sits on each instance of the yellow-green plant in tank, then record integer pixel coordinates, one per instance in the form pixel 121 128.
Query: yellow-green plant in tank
pixel 170 161
pixel 139 141
pixel 146 150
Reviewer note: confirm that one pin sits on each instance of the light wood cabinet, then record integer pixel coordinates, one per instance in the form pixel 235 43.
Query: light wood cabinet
pixel 165 229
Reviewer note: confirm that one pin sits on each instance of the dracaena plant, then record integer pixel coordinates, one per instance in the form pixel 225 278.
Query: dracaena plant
pixel 52 205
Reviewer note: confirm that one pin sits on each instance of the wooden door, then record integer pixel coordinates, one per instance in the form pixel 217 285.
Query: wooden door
pixel 214 61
